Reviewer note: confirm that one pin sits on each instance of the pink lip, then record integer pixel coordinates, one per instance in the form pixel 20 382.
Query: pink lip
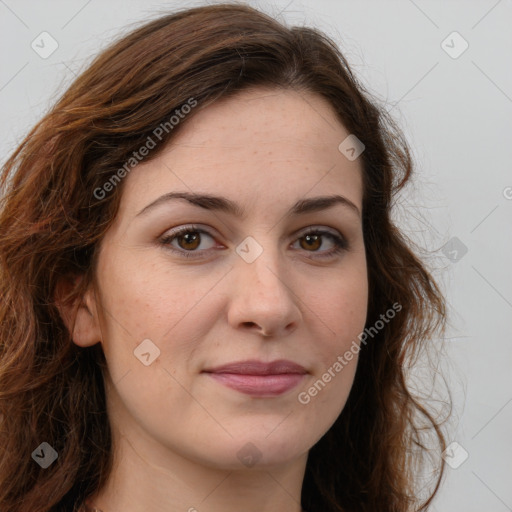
pixel 257 378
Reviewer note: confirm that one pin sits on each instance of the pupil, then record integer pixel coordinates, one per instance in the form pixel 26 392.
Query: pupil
pixel 312 240
pixel 190 238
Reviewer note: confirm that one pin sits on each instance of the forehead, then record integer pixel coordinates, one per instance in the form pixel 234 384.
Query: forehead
pixel 258 147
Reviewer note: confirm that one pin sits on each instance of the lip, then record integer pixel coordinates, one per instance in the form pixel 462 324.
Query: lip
pixel 257 378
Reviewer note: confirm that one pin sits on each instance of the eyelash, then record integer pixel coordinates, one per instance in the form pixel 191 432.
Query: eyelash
pixel 340 244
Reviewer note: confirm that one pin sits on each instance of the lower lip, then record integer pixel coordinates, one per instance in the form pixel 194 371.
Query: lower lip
pixel 259 385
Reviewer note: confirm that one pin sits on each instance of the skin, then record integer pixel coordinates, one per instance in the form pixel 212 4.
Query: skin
pixel 176 430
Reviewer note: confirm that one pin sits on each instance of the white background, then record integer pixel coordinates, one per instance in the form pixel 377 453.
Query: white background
pixel 457 114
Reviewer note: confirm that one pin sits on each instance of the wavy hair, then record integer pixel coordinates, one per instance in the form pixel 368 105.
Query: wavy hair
pixel 52 222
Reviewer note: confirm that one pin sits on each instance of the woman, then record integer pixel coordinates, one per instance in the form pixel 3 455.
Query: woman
pixel 205 303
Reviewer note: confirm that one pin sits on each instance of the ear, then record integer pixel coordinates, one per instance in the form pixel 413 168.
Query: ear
pixel 80 316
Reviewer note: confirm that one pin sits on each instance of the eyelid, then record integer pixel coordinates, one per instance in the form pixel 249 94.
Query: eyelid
pixel 186 228
pixel 338 239
pixel 318 227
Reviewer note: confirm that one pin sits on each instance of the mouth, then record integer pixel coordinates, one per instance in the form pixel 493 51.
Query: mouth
pixel 258 378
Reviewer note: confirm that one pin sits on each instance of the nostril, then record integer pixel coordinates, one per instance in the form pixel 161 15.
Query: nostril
pixel 252 325
pixel 249 324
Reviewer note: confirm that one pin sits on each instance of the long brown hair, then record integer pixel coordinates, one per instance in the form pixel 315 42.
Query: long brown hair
pixel 52 220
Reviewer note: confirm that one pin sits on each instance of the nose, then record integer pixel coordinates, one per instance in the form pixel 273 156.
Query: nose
pixel 263 299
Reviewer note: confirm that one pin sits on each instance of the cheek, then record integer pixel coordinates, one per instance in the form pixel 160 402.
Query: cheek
pixel 341 304
pixel 143 300
pixel 339 311
pixel 131 311
pixel 149 342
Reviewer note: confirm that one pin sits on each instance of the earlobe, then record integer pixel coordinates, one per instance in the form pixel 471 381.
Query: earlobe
pixel 79 315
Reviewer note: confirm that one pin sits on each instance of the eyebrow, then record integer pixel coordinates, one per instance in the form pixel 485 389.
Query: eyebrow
pixel 223 204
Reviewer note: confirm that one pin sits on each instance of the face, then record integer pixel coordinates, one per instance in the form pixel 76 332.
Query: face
pixel 264 274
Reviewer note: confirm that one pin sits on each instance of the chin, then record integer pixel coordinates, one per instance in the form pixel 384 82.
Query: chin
pixel 261 450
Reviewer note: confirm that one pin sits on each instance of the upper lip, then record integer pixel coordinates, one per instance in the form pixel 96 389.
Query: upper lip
pixel 254 367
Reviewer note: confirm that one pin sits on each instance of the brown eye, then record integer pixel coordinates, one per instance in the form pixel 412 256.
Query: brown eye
pixel 313 242
pixel 187 241
pixel 191 240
